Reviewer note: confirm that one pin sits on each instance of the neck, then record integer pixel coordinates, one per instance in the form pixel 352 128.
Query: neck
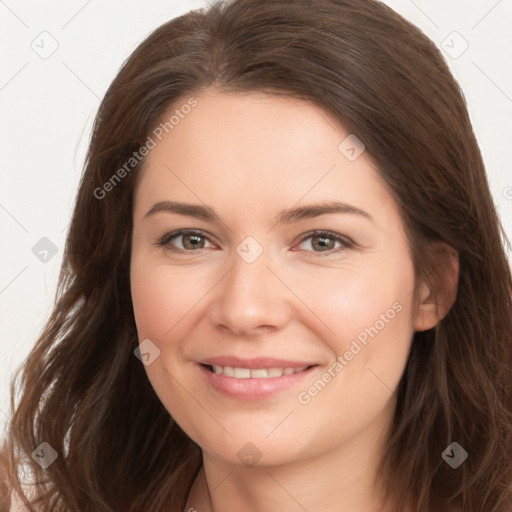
pixel 345 478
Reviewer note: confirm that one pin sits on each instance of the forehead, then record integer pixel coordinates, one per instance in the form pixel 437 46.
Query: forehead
pixel 252 147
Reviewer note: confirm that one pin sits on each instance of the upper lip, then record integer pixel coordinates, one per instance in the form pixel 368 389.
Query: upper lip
pixel 257 362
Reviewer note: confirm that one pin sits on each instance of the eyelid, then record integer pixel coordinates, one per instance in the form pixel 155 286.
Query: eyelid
pixel 346 243
pixel 164 241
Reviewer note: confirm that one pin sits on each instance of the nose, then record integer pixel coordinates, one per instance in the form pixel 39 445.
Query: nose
pixel 250 299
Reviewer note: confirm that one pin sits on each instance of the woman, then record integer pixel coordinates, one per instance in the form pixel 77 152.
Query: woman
pixel 284 285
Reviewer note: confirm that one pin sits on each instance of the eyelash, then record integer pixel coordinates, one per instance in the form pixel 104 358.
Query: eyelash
pixel 345 242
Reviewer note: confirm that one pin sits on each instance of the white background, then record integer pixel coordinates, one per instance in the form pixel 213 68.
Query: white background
pixel 47 106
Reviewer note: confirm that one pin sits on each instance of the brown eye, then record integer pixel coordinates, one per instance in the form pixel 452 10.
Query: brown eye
pixel 322 242
pixel 325 242
pixel 193 241
pixel 185 241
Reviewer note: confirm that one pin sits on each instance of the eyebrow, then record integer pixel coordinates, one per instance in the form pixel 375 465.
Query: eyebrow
pixel 284 217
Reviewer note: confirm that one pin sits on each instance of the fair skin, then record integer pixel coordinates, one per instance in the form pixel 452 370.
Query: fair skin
pixel 303 299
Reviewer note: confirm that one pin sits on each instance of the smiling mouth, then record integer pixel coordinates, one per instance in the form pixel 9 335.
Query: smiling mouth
pixel 254 373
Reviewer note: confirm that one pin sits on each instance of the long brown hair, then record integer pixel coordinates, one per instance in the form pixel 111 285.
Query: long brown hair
pixel 82 390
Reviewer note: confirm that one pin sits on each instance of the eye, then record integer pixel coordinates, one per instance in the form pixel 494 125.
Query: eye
pixel 184 241
pixel 325 241
pixel 317 241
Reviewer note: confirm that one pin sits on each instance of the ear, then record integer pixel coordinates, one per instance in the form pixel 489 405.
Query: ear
pixel 436 297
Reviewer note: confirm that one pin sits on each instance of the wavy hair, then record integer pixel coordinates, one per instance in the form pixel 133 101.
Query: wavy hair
pixel 82 391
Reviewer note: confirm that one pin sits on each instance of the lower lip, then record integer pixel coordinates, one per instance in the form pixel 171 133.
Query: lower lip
pixel 252 389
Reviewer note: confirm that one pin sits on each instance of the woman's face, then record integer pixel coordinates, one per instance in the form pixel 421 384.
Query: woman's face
pixel 280 323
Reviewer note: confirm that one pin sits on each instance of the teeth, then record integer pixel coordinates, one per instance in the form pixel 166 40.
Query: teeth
pixel 242 373
pixel 256 373
pixel 275 372
pixel 259 374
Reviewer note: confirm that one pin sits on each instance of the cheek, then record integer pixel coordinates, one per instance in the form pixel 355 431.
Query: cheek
pixel 163 299
pixel 368 314
pixel 153 301
pixel 163 295
pixel 361 303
